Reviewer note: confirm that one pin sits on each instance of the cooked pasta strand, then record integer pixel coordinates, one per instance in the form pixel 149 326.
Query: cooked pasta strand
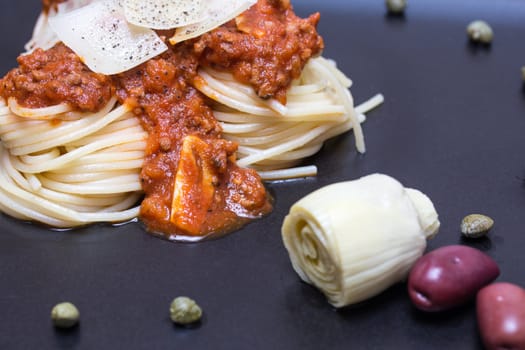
pixel 319 106
pixel 66 172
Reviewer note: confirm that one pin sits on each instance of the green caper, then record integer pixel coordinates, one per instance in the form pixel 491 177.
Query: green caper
pixel 476 225
pixel 480 31
pixel 184 310
pixel 396 6
pixel 65 315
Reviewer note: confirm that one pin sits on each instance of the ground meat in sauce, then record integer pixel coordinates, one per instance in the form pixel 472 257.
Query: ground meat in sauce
pixel 265 47
pixel 171 109
pixel 54 76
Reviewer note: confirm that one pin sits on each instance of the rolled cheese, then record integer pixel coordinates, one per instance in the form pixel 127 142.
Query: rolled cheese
pixel 354 239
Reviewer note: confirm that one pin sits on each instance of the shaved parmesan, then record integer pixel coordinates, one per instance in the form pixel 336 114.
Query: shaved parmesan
pixel 100 35
pixel 70 5
pixel 43 36
pixel 219 12
pixel 163 14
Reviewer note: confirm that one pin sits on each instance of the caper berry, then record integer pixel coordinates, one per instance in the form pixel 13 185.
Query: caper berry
pixel 65 315
pixel 396 6
pixel 480 31
pixel 476 225
pixel 184 310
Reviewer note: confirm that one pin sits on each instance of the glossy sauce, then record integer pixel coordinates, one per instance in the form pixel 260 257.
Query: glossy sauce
pixel 266 47
pixel 55 76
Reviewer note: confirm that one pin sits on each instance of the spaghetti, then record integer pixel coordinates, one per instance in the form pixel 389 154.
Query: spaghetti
pixel 272 137
pixel 73 171
pixel 185 138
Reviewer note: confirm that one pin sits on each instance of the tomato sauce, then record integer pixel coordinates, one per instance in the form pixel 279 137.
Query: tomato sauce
pixel 266 47
pixel 191 182
pixel 55 76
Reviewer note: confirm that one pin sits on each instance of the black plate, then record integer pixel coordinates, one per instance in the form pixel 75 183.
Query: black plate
pixel 452 125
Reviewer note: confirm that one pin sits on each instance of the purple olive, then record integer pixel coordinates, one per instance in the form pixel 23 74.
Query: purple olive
pixel 449 276
pixel 501 316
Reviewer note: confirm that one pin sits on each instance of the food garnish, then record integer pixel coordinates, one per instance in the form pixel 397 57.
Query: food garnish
pixel 354 239
pixel 480 32
pixel 217 12
pixel 114 36
pixel 102 37
pixel 396 6
pixel 65 315
pixel 185 311
pixel 476 225
pixel 164 14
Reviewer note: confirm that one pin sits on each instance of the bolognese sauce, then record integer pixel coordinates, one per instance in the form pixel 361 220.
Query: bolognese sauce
pixel 266 47
pixel 189 176
pixel 190 179
pixel 55 76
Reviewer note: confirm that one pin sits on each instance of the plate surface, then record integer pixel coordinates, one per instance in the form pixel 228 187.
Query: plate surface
pixel 452 125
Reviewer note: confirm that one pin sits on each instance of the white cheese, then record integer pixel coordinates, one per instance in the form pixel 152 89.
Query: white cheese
pixel 101 36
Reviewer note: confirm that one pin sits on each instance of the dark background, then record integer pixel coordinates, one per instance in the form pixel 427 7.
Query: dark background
pixel 452 125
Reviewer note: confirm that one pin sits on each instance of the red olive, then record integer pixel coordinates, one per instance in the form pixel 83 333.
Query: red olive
pixel 449 276
pixel 501 316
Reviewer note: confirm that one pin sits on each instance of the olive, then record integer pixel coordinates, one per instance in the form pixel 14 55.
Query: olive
pixel 500 311
pixel 449 276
